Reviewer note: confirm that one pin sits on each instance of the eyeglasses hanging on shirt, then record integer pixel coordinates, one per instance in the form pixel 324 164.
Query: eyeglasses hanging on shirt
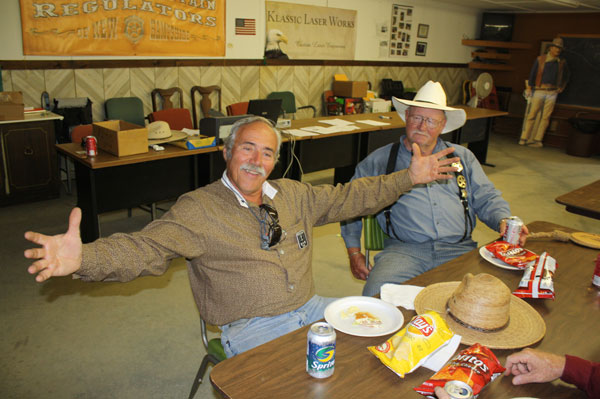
pixel 271 232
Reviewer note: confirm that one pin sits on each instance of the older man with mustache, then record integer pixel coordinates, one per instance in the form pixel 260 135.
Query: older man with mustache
pixel 249 241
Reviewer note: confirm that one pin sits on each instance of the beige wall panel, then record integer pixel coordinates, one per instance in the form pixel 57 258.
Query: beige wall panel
pixel 166 77
pixel 307 90
pixel 231 85
pixel 89 83
pixel 268 80
pixel 301 85
pixel 328 73
pixel 409 76
pixel 249 83
pixel 31 83
pixel 359 73
pixel 142 83
pixel 188 77
pixel 117 82
pixel 315 93
pixel 285 78
pixel 59 83
pixel 7 81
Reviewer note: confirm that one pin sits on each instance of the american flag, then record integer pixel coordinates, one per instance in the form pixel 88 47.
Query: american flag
pixel 245 26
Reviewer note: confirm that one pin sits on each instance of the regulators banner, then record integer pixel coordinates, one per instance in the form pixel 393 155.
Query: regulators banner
pixel 309 32
pixel 123 27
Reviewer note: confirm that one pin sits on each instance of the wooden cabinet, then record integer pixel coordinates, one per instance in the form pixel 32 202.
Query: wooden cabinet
pixel 493 56
pixel 29 168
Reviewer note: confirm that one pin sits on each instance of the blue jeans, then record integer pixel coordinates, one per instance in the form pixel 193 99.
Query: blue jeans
pixel 401 261
pixel 244 334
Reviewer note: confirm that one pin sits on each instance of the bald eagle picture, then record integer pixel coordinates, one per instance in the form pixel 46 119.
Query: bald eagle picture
pixel 273 48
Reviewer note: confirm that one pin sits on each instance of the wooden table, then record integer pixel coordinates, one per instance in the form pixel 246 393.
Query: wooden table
pixel 583 201
pixel 277 369
pixel 107 182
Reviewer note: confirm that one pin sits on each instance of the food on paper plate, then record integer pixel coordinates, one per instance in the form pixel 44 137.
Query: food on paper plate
pixel 511 254
pixel 414 344
pixel 361 318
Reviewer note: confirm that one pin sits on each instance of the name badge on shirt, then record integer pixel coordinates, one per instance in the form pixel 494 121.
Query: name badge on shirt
pixel 301 239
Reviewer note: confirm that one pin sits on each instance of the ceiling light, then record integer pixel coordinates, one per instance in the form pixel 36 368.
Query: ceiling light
pixel 566 3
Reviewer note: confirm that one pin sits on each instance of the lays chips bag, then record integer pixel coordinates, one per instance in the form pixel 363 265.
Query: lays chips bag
pixel 410 347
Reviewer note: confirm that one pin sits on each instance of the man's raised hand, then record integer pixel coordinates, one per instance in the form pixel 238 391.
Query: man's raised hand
pixel 59 255
pixel 425 169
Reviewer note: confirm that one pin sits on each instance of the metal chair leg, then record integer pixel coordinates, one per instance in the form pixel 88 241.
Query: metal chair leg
pixel 198 380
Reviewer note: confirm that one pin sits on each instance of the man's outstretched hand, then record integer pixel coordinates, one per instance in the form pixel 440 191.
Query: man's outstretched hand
pixel 425 169
pixel 59 255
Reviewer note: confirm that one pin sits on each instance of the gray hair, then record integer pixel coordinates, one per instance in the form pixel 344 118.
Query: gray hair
pixel 240 123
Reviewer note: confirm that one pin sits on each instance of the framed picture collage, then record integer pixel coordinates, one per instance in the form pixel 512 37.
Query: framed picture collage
pixel 400 32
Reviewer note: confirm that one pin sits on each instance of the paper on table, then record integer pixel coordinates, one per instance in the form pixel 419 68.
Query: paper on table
pixel 191 132
pixel 329 130
pixel 372 122
pixel 442 355
pixel 336 122
pixel 400 295
pixel 300 133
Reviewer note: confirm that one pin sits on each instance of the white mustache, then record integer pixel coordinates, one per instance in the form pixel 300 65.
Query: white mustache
pixel 254 168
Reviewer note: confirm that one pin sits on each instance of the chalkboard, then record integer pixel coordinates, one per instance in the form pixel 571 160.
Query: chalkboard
pixel 583 58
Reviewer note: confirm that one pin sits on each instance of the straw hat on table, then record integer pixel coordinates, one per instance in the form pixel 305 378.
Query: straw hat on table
pixel 483 310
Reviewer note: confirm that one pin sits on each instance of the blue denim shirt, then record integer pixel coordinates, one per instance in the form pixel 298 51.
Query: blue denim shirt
pixel 432 212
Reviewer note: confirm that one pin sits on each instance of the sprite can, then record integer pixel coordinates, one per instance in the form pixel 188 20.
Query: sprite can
pixel 320 350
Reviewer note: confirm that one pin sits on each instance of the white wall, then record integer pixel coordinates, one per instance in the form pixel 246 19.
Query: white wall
pixel 448 24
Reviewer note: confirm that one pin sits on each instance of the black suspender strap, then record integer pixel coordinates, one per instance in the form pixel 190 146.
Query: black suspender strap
pixel 461 182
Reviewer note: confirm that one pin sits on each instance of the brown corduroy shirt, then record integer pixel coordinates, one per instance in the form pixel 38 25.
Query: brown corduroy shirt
pixel 230 275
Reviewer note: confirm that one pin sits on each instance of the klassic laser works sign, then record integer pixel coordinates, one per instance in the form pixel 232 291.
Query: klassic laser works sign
pixel 123 27
pixel 310 32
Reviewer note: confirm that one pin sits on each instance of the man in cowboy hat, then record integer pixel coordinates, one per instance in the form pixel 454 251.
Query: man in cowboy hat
pixel 548 77
pixel 432 223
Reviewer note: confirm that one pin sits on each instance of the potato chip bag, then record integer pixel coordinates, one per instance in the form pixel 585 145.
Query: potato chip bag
pixel 511 254
pixel 414 344
pixel 537 280
pixel 476 366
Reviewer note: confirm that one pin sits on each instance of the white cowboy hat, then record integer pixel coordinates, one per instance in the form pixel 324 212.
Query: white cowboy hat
pixel 482 310
pixel 432 95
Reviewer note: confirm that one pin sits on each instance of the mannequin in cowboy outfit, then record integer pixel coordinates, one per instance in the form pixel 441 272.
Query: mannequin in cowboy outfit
pixel 548 77
pixel 432 223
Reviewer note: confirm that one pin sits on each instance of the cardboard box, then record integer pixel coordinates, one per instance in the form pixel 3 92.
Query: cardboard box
pixel 350 88
pixel 121 138
pixel 11 105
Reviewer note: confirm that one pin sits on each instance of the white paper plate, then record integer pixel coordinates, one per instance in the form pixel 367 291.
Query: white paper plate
pixel 391 317
pixel 487 255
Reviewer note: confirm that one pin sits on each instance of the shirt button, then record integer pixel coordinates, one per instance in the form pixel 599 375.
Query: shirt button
pixel 291 287
pixel 281 252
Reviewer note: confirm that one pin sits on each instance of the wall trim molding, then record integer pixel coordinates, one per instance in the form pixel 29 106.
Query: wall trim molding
pixel 149 63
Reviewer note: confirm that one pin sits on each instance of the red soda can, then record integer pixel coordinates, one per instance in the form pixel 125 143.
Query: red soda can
pixel 91 147
pixel 513 230
pixel 596 278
